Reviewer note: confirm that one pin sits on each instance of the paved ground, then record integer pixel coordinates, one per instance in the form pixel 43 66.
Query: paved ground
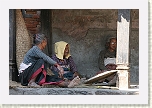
pixel 16 89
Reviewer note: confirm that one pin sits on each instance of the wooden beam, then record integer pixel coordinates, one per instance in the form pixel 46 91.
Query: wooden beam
pixel 46 28
pixel 122 58
pixel 13 72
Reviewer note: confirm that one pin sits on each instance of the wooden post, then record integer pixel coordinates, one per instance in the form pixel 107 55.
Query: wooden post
pixel 122 59
pixel 13 74
pixel 46 22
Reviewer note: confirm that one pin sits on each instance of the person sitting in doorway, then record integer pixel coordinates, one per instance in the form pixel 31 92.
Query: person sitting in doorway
pixel 64 59
pixel 107 59
pixel 33 69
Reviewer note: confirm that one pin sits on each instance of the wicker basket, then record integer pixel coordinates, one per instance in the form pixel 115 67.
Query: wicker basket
pixel 23 40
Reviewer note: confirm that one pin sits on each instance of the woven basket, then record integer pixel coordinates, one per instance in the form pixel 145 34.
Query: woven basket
pixel 23 40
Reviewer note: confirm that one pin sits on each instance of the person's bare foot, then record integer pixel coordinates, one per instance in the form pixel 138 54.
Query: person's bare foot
pixel 33 84
pixel 74 82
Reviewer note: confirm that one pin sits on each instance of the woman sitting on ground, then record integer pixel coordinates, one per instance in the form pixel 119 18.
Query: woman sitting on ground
pixel 64 59
pixel 107 59
pixel 33 69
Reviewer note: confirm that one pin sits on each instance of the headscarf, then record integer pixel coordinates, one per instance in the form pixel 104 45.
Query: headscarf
pixel 59 49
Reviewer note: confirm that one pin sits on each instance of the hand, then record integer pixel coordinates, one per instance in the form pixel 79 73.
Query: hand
pixel 61 71
pixel 61 75
pixel 56 65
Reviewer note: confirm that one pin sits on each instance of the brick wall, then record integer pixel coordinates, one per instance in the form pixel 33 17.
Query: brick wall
pixel 32 20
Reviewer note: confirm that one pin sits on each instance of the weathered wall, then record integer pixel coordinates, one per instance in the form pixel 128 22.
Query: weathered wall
pixel 86 32
pixel 134 56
